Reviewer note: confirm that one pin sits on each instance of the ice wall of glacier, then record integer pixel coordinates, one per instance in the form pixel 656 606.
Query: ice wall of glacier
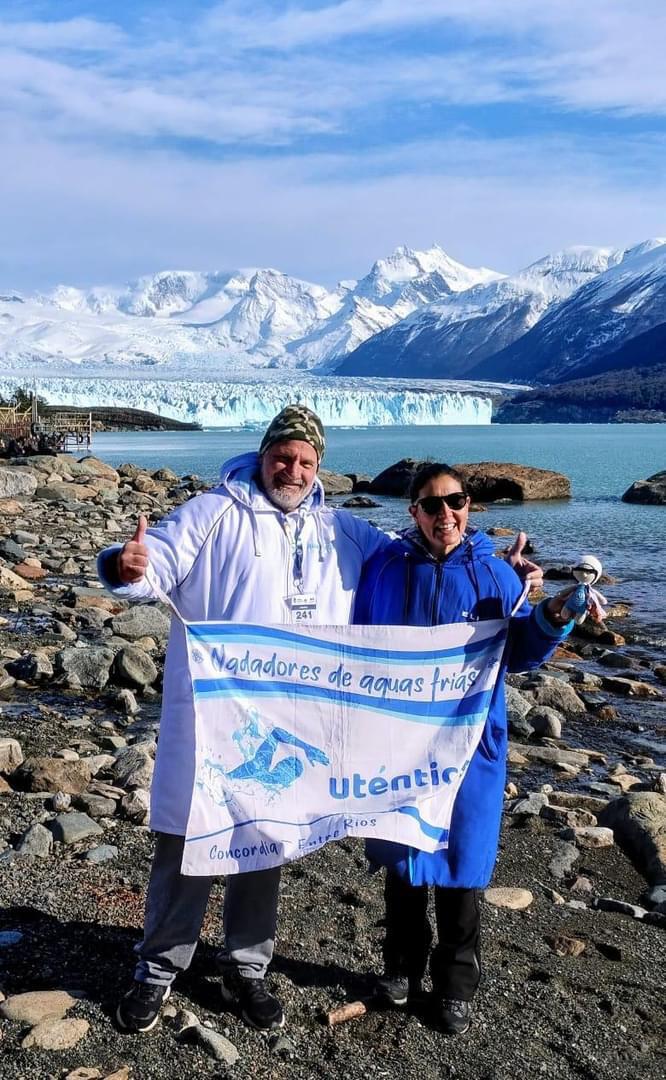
pixel 214 403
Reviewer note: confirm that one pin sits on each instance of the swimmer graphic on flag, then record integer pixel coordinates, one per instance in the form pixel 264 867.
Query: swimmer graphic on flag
pixel 308 735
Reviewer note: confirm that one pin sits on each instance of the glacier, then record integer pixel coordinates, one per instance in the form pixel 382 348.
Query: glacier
pixel 224 403
pixel 218 324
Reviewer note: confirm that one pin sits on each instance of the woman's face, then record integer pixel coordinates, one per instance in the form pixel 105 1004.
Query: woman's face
pixel 443 530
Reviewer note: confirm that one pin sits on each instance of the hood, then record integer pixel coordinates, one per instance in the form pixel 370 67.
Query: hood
pixel 475 544
pixel 238 477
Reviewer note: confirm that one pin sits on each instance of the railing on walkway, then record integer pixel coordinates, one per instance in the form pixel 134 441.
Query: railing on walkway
pixel 24 431
pixel 75 431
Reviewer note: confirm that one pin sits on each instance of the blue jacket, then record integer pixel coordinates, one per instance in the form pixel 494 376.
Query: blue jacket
pixel 404 585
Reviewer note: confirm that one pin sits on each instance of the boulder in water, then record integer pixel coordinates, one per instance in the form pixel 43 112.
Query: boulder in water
pixel 651 492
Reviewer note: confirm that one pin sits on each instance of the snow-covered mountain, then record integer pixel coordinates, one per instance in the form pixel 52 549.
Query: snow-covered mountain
pixel 220 324
pixel 450 337
pixel 255 401
pixel 573 337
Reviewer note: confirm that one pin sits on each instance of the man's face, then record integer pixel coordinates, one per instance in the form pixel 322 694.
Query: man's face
pixel 288 471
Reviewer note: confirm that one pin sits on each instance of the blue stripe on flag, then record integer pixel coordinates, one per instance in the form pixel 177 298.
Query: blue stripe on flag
pixel 254 635
pixel 432 831
pixel 461 711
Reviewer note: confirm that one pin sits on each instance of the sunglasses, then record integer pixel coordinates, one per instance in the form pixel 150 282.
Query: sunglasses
pixel 432 504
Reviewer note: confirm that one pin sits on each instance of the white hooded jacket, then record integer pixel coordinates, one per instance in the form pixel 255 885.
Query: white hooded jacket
pixel 230 554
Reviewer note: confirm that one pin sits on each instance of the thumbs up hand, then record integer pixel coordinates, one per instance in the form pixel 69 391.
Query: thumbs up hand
pixel 133 556
pixel 527 571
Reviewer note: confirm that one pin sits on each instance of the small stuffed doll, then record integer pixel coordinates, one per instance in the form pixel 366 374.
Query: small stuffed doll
pixel 584 600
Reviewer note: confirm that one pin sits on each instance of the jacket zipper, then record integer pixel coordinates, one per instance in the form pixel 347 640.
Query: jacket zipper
pixel 436 592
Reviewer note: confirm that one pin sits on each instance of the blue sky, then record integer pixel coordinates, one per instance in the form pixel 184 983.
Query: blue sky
pixel 317 136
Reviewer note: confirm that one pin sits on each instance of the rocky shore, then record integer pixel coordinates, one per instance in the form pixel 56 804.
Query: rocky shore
pixel 574 924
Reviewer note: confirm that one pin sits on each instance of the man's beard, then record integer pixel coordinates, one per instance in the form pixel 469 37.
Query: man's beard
pixel 286 498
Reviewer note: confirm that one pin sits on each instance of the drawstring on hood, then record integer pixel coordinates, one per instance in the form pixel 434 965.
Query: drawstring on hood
pixel 475 545
pixel 239 478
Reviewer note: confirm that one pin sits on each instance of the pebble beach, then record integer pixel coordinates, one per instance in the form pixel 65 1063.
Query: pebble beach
pixel 573 925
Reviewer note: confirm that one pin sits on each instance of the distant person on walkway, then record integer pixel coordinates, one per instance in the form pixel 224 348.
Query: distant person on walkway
pixel 262 547
pixel 444 571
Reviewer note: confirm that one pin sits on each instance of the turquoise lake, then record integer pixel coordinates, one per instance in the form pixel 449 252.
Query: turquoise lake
pixel 601 460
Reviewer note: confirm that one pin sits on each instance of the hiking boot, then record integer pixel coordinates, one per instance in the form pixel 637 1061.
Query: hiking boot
pixel 392 990
pixel 139 1008
pixel 257 1007
pixel 454 1016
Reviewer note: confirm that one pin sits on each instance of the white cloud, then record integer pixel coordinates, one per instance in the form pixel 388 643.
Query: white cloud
pixel 107 131
pixel 251 72
pixel 85 217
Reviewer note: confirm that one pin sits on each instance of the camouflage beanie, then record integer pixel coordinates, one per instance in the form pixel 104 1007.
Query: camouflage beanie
pixel 295 422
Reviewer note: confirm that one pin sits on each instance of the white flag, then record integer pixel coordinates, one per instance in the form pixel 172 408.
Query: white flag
pixel 305 736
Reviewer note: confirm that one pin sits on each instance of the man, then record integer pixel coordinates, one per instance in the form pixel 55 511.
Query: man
pixel 261 547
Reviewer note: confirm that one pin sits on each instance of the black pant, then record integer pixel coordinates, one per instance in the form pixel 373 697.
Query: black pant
pixel 455 964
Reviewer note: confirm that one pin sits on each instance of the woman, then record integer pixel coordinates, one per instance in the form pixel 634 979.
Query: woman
pixel 442 571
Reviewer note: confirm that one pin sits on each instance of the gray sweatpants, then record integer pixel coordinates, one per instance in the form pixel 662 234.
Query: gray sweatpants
pixel 175 909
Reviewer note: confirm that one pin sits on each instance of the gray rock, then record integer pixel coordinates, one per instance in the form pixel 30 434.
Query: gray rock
pixel 651 491
pixel 96 806
pixel 281 1045
pixel 638 820
pixel 334 483
pixel 589 837
pixel 530 805
pixel 546 721
pixel 12 551
pixel 136 805
pixel 618 660
pixel 586 679
pixel 37 841
pixel 26 539
pixel 557 694
pixel 145 620
pixel 60 801
pixel 576 800
pixel 656 898
pixel 87 668
pixel 11 755
pixel 516 704
pixel 70 566
pixel 562 862
pixel 62 630
pixel 134 766
pixel 570 819
pixel 217 1045
pixel 72 827
pixel 101 854
pixel 134 666
pixel 67 754
pixel 552 755
pixel 519 727
pixel 31 668
pixel 184 1019
pixel 125 700
pixel 15 482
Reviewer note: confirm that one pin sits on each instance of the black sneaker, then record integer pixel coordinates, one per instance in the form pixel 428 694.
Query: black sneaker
pixel 392 990
pixel 454 1016
pixel 257 1007
pixel 139 1009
